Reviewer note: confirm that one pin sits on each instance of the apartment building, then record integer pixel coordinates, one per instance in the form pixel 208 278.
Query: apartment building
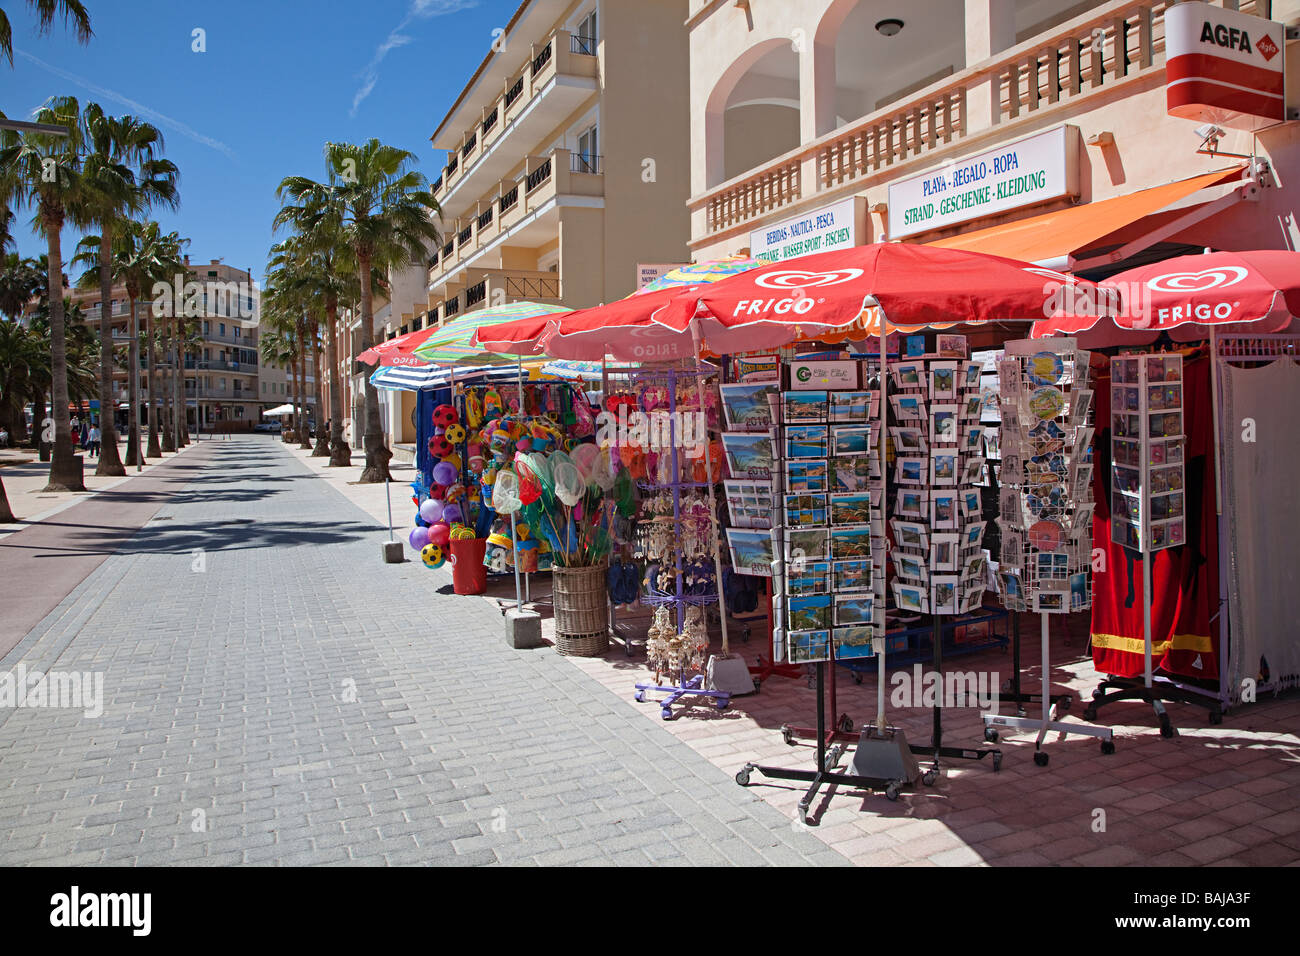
pixel 1040 129
pixel 220 354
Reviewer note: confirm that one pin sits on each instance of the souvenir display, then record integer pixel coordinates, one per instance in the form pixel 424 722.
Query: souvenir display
pixel 939 455
pixel 1046 499
pixel 1147 489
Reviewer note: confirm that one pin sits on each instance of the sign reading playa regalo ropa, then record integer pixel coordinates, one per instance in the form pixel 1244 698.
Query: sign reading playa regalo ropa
pixel 836 226
pixel 1224 67
pixel 1033 170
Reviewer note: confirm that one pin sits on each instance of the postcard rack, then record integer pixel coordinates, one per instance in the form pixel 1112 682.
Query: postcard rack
pixel 687 609
pixel 1045 508
pixel 1148 503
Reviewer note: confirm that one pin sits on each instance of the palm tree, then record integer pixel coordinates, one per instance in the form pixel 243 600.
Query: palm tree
pixel 24 367
pixel 44 171
pixel 161 254
pixel 381 211
pixel 74 14
pixel 277 349
pixel 21 280
pixel 125 179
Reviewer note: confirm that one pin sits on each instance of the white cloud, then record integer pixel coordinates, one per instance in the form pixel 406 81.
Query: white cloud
pixel 161 119
pixel 418 10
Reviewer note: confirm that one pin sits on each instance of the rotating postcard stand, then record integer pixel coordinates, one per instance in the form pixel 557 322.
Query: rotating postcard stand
pixel 1148 503
pixel 1046 506
pixel 668 379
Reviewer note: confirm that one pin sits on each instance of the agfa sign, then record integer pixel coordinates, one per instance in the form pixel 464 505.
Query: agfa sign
pixel 1224 67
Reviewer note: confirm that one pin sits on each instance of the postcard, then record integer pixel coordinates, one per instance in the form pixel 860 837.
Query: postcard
pixel 910 534
pixel 951 346
pixel 911 566
pixel 973 471
pixel 943 381
pixel 752 551
pixel 814 577
pixel 944 507
pixel 853 642
pixel 850 508
pixel 908 408
pixel 803 510
pixel 806 475
pixel 850 474
pixel 1080 594
pixel 810 612
pixel 749 454
pixel 853 575
pixel 944 591
pixel 944 552
pixel 850 440
pixel 803 407
pixel 943 424
pixel 807 647
pixel 746 406
pixel 854 609
pixel 911 598
pixel 973 535
pixel 806 441
pixel 906 375
pixel 943 466
pixel 806 544
pixel 912 471
pixel 851 542
pixel 908 440
pixel 849 406
pixel 912 504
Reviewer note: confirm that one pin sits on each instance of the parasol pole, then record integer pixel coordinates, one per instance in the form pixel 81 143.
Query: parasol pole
pixel 713 504
pixel 884 490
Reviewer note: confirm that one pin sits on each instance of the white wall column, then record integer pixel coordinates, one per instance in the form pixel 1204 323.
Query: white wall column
pixel 990 29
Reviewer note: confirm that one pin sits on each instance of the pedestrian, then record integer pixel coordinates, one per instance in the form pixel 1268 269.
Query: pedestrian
pixel 4 437
pixel 85 435
pixel 93 438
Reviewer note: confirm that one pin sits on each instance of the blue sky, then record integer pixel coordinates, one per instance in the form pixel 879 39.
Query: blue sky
pixel 278 79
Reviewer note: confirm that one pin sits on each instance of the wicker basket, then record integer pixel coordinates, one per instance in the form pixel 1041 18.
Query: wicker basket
pixel 581 610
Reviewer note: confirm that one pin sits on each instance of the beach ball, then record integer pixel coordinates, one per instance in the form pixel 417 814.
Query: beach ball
pixel 418 538
pixel 439 447
pixel 453 513
pixel 431 510
pixel 432 556
pixel 444 416
pixel 439 533
pixel 444 473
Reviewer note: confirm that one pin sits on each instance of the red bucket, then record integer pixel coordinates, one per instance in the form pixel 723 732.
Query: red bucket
pixel 468 573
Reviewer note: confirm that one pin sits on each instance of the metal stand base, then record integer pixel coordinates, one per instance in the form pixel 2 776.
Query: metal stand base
pixel 1114 689
pixel 675 692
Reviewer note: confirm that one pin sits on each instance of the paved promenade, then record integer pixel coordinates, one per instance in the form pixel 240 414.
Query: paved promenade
pixel 274 694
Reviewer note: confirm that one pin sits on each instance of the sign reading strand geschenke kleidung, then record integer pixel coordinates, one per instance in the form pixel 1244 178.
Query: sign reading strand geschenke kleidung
pixel 837 226
pixel 1033 170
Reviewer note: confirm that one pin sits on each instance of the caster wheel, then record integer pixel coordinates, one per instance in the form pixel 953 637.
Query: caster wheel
pixel 846 723
pixel 787 735
pixel 1216 717
pixel 744 635
pixel 722 705
pixel 1098 694
pixel 1108 746
pixel 1006 686
pixel 1090 713
pixel 666 714
pixel 929 777
pixel 640 697
pixel 997 762
pixel 757 684
pixel 1040 759
pixel 742 777
pixel 991 734
pixel 892 792
pixel 803 817
pixel 1166 728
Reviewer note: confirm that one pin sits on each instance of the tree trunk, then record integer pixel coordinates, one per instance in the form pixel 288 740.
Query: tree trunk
pixel 340 453
pixel 6 513
pixel 304 433
pixel 171 363
pixel 65 466
pixel 178 386
pixel 133 456
pixel 322 448
pixel 377 453
pixel 110 459
pixel 151 348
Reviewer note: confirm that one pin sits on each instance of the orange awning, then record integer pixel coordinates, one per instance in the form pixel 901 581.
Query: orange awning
pixel 1056 235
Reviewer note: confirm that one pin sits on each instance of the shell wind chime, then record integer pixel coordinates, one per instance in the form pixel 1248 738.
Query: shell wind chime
pixel 670 652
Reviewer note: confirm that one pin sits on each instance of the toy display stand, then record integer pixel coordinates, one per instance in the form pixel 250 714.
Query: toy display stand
pixel 680 600
pixel 1012 689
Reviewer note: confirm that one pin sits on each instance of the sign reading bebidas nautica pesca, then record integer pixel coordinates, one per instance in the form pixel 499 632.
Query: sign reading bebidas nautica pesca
pixel 837 226
pixel 1029 171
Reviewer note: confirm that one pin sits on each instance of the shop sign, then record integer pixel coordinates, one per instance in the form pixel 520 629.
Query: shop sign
pixel 1224 67
pixel 1033 170
pixel 823 375
pixel 649 272
pixel 837 226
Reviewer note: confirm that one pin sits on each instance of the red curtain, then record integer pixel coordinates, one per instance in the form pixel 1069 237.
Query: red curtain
pixel 1184 579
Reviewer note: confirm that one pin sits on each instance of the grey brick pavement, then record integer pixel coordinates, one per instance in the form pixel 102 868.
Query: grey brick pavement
pixel 296 701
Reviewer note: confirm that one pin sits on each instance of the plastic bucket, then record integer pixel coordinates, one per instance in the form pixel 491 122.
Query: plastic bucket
pixel 468 573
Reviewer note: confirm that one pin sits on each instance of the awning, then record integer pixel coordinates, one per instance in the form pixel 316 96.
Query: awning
pixel 279 410
pixel 1056 238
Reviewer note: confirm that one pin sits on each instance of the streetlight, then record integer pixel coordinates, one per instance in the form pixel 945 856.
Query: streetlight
pixel 22 126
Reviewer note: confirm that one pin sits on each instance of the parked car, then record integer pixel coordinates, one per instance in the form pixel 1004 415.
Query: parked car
pixel 273 426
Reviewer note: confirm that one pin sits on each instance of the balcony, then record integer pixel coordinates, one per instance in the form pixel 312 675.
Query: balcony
pixel 513 201
pixel 558 77
pixel 497 286
pixel 1095 52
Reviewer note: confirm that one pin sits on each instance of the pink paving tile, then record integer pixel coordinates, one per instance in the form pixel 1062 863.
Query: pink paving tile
pixel 1211 849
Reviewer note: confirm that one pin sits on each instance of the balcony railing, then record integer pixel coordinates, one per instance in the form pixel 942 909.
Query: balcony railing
pixel 584 163
pixel 436 184
pixel 476 294
pixel 490 121
pixel 452 162
pixel 538 176
pixel 585 46
pixel 509 198
pixel 524 287
pixel 464 235
pixel 484 218
pixel 451 307
pixel 1088 53
pixel 449 250
pixel 469 145
pixel 512 94
pixel 541 59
